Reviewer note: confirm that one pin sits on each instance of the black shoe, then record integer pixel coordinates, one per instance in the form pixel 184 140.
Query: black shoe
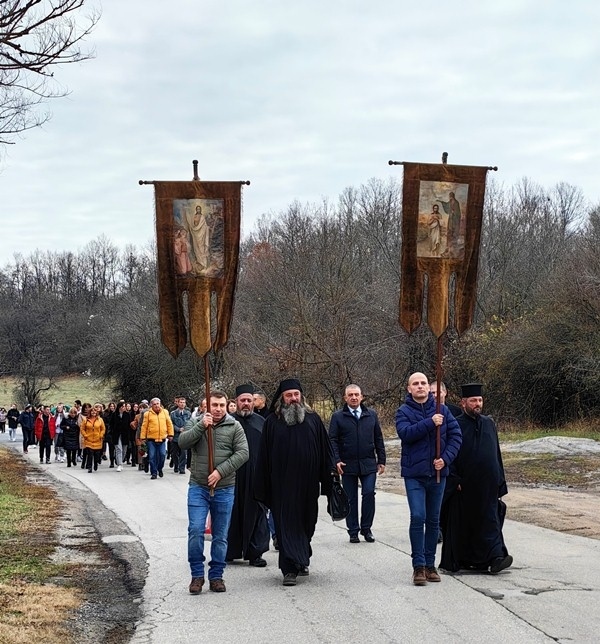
pixel 303 571
pixel 500 563
pixel 368 537
pixel 160 473
pixel 354 539
pixel 289 579
pixel 111 465
pixel 153 477
pixel 259 562
pixel 104 457
pixel 89 471
pixel 275 543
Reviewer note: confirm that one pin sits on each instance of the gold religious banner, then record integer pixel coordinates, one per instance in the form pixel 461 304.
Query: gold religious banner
pixel 442 210
pixel 197 238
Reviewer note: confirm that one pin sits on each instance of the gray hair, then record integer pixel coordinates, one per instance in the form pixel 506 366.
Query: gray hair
pixel 155 400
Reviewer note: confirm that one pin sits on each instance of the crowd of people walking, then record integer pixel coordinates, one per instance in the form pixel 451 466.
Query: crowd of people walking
pixel 259 470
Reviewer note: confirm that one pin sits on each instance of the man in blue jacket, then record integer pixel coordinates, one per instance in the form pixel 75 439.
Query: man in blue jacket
pixel 359 453
pixel 417 422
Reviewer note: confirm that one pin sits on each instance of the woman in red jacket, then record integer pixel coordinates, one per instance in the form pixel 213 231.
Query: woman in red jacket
pixel 45 430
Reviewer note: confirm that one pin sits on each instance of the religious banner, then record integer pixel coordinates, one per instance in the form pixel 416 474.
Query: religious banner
pixel 198 238
pixel 442 210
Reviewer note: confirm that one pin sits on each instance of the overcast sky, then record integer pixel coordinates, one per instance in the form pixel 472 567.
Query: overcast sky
pixel 303 99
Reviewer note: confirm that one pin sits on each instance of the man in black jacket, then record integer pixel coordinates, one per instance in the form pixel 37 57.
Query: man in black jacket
pixel 359 453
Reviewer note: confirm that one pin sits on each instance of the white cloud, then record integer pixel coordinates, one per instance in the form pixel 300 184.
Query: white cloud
pixel 303 99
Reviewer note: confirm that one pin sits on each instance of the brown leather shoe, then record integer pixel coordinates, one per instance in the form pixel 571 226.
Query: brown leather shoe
pixel 419 576
pixel 217 585
pixel 432 574
pixel 196 585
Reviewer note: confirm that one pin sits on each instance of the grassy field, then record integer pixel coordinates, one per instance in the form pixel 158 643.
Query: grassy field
pixel 68 389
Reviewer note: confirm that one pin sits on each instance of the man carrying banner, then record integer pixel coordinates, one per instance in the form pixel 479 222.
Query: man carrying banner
pixel 417 423
pixel 212 491
pixel 295 460
pixel 473 510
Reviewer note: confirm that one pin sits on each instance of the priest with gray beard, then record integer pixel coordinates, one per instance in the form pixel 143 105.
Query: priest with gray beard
pixel 294 466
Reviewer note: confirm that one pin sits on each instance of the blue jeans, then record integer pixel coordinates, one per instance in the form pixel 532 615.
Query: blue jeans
pixel 156 456
pixel 200 503
pixel 367 510
pixel 424 501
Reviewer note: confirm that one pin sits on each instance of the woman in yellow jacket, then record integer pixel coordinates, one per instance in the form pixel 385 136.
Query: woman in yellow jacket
pixel 92 430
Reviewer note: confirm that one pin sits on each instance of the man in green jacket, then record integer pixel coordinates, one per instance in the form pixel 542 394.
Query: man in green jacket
pixel 212 491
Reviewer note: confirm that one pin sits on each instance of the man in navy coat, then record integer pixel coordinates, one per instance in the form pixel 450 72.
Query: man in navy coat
pixel 359 453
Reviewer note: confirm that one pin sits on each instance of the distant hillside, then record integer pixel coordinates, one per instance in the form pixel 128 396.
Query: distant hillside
pixel 67 390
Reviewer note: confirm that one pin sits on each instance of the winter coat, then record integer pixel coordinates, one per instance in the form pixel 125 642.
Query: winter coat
pixel 13 416
pixel 119 427
pixel 26 419
pixel 230 449
pixel 70 429
pixel 156 427
pixel 417 432
pixel 358 443
pixel 179 418
pixel 92 430
pixel 39 427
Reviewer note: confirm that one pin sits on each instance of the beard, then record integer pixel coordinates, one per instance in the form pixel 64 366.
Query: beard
pixel 293 414
pixel 244 413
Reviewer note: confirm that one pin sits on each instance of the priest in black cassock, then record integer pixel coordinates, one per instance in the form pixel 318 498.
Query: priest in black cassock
pixel 248 532
pixel 472 511
pixel 294 467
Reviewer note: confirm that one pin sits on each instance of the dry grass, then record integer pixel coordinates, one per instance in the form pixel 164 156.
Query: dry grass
pixel 31 612
pixel 32 608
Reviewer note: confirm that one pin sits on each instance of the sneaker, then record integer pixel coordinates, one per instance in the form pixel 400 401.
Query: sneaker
pixel 303 571
pixel 217 585
pixel 289 579
pixel 196 585
pixel 419 577
pixel 153 477
pixel 354 539
pixel 500 563
pixel 259 562
pixel 119 468
pixel 432 574
pixel 47 461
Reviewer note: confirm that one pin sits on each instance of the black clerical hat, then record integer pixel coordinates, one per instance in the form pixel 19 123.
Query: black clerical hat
pixel 244 389
pixel 285 385
pixel 473 389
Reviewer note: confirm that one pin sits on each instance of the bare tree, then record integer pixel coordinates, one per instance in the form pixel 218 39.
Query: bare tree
pixel 36 36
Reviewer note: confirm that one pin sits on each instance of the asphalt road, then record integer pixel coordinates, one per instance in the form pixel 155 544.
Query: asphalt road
pixel 355 592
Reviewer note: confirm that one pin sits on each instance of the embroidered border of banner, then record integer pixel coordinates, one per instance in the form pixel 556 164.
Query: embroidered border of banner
pixel 197 239
pixel 442 211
